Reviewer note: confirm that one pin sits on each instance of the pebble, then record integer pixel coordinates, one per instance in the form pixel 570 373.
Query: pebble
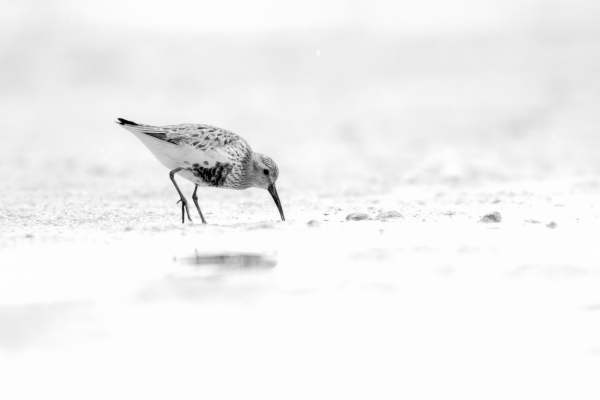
pixel 491 217
pixel 389 215
pixel 357 217
pixel 313 223
pixel 552 225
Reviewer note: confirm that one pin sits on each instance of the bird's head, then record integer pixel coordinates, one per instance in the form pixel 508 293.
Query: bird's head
pixel 263 174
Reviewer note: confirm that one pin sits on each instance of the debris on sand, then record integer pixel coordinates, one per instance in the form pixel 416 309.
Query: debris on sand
pixel 313 223
pixel 357 217
pixel 388 215
pixel 491 217
pixel 532 221
pixel 551 225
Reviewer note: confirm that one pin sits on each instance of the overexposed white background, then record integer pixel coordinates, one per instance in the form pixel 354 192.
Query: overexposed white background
pixel 440 110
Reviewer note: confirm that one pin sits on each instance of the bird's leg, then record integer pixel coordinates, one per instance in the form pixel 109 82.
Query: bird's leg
pixel 195 198
pixel 184 206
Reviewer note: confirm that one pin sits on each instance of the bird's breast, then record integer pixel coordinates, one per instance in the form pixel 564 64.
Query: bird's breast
pixel 215 176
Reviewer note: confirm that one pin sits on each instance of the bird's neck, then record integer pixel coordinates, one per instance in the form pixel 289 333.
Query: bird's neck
pixel 248 171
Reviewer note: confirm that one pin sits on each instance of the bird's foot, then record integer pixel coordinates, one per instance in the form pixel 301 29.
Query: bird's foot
pixel 184 209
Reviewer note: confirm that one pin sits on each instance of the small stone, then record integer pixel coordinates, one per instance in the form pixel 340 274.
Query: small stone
pixel 491 217
pixel 552 225
pixel 313 223
pixel 29 235
pixel 389 215
pixel 357 217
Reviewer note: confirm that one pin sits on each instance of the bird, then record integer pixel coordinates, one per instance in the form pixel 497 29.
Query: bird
pixel 207 156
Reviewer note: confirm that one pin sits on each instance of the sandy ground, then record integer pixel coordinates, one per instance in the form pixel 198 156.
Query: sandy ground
pixel 105 294
pixel 113 297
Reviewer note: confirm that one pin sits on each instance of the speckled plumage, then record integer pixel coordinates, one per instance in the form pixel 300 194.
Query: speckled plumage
pixel 207 156
pixel 198 148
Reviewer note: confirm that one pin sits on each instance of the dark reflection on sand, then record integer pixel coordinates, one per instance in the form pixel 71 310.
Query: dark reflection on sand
pixel 222 275
pixel 231 260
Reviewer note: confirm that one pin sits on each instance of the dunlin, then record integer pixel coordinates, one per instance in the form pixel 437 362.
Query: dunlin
pixel 207 156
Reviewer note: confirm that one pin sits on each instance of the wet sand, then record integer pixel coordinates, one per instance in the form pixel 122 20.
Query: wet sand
pixel 118 299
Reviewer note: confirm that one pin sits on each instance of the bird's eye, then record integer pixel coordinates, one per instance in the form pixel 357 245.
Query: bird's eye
pixel 266 171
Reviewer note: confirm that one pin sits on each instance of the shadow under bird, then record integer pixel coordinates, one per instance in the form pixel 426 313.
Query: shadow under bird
pixel 207 156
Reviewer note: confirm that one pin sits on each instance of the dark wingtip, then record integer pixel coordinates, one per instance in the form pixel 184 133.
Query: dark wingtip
pixel 126 122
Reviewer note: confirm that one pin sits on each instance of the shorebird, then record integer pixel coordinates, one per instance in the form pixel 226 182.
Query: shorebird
pixel 207 156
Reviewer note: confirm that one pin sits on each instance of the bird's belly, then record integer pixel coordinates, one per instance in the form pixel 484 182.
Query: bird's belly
pixel 216 176
pixel 189 175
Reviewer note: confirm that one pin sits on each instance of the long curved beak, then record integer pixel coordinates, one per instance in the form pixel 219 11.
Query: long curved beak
pixel 273 192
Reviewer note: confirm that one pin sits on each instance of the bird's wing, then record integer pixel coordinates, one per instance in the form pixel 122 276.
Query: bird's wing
pixel 193 142
pixel 220 144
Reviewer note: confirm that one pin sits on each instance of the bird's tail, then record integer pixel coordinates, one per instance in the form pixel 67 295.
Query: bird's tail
pixel 154 131
pixel 156 139
pixel 122 121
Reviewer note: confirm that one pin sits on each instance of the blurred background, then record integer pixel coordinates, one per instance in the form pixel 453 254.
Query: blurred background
pixel 346 96
pixel 440 110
